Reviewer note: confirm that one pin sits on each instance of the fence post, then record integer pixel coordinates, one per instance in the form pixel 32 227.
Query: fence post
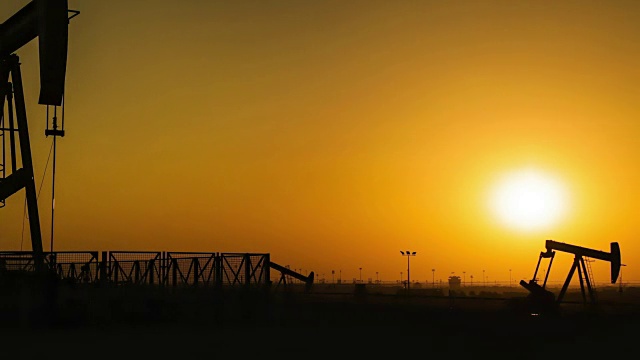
pixel 163 268
pixel 114 270
pixel 196 266
pixel 247 269
pixel 174 265
pixel 267 271
pixel 217 266
pixel 150 269
pixel 103 267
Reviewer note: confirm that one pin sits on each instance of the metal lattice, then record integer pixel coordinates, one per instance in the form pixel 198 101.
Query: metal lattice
pixel 184 268
pixel 244 269
pixel 17 261
pixel 148 267
pixel 135 267
pixel 74 266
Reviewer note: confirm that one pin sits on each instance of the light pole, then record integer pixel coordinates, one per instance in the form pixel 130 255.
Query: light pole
pixel 484 279
pixel 377 277
pixel 400 277
pixel 464 278
pixel 333 279
pixel 471 280
pixel 408 254
pixel 509 277
pixel 360 274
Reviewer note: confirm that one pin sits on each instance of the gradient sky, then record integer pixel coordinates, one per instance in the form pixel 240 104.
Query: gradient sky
pixel 333 134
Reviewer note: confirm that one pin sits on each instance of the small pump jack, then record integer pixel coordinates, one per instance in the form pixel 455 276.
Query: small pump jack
pixel 284 272
pixel 546 300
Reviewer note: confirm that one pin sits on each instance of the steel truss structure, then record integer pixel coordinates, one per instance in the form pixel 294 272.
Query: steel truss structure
pixel 159 268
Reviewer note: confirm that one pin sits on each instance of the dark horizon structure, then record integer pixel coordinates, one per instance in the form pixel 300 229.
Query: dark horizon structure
pixel 155 268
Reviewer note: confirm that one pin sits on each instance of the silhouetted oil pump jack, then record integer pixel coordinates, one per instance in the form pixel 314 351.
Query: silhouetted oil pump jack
pixel 48 21
pixel 284 272
pixel 541 296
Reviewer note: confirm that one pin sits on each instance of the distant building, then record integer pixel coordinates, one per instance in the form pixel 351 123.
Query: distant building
pixel 454 282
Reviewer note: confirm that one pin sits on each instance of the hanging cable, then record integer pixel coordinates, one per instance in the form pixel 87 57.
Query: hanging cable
pixel 25 214
pixel 55 131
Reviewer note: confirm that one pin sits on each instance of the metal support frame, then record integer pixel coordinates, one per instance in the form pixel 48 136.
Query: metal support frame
pixel 20 178
pixel 583 276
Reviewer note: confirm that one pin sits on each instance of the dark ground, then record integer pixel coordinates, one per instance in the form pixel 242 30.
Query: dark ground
pixel 127 322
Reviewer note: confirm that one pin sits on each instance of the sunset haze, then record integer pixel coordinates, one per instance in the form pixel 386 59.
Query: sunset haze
pixel 334 134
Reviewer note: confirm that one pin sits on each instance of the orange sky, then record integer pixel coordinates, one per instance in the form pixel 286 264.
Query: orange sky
pixel 333 134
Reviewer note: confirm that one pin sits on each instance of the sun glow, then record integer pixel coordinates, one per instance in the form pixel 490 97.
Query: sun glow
pixel 529 200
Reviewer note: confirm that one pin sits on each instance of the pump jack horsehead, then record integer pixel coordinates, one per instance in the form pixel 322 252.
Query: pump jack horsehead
pixel 48 21
pixel 538 293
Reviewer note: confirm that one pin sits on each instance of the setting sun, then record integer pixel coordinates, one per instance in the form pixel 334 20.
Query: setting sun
pixel 528 199
pixel 315 164
pixel 328 134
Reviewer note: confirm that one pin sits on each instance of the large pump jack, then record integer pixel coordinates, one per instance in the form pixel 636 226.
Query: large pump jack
pixel 541 296
pixel 48 21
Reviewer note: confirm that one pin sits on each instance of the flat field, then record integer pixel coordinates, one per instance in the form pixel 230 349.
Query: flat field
pixel 328 321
